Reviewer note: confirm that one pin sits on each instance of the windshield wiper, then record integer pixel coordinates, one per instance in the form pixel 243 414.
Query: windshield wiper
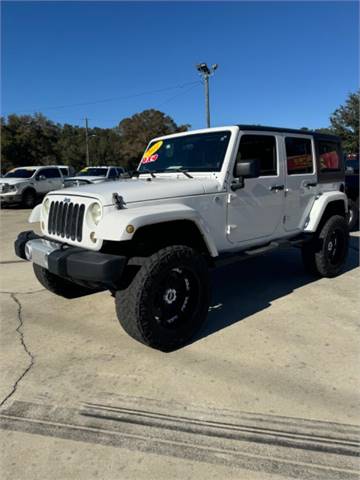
pixel 180 170
pixel 136 173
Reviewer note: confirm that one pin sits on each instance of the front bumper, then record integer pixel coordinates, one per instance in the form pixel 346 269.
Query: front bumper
pixel 10 197
pixel 72 263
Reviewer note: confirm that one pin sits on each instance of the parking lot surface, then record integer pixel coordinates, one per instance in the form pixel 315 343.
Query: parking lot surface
pixel 268 389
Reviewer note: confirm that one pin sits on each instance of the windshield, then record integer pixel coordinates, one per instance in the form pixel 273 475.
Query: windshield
pixel 93 172
pixel 20 173
pixel 203 152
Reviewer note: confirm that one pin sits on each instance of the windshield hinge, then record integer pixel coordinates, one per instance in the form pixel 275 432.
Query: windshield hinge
pixel 118 201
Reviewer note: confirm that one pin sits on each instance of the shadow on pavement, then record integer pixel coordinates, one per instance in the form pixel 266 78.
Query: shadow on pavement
pixel 245 288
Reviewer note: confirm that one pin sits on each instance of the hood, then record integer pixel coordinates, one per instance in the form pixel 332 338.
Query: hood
pixel 143 189
pixel 88 178
pixel 13 181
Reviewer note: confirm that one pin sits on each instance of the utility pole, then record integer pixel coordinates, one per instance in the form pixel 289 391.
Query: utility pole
pixel 87 141
pixel 206 73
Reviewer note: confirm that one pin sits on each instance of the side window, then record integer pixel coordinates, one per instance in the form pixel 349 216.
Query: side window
pixel 299 155
pixel 329 156
pixel 262 148
pixel 49 173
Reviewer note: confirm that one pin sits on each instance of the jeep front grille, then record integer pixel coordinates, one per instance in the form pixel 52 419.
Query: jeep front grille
pixel 66 220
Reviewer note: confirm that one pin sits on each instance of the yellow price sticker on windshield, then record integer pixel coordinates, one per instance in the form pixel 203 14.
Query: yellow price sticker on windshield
pixel 149 155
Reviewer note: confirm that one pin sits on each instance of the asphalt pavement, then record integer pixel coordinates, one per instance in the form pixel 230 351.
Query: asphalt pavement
pixel 269 389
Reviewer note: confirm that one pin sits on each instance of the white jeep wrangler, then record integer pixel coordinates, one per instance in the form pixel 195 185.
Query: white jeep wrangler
pixel 198 199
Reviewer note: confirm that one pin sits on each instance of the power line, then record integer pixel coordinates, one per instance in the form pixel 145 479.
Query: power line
pixel 181 93
pixel 104 100
pixel 165 101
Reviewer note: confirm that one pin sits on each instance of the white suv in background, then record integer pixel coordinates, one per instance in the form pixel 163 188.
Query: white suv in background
pixel 95 175
pixel 25 185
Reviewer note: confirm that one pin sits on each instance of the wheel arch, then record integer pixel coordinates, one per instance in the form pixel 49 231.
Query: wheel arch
pixel 325 206
pixel 28 189
pixel 175 232
pixel 167 224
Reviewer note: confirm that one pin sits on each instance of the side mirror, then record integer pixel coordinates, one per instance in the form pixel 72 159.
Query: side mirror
pixel 247 169
pixel 41 177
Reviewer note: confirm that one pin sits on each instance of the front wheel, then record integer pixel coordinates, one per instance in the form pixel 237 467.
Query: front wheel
pixel 326 254
pixel 29 199
pixel 168 299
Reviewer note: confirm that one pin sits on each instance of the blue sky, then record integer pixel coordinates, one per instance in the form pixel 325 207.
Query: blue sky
pixel 280 63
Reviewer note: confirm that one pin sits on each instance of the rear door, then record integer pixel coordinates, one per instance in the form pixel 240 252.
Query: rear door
pixel 256 210
pixel 300 180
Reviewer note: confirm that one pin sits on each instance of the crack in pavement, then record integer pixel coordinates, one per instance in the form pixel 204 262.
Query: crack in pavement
pixel 22 293
pixel 27 351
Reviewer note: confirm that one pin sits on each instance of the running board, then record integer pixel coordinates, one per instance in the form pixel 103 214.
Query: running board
pixel 228 258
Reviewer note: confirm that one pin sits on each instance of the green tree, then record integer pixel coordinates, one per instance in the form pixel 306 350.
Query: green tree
pixel 28 140
pixel 36 140
pixel 345 122
pixel 105 147
pixel 138 130
pixel 70 148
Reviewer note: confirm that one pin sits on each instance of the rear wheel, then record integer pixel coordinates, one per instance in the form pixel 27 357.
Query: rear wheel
pixel 29 198
pixel 168 299
pixel 59 285
pixel 326 254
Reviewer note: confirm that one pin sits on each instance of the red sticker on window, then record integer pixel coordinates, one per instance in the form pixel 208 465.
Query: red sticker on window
pixel 150 159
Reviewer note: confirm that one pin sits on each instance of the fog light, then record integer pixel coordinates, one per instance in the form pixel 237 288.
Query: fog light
pixel 93 237
pixel 28 251
pixel 130 229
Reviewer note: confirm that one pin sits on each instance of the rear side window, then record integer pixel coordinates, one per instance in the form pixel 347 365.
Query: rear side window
pixel 298 155
pixel 262 148
pixel 64 171
pixel 329 156
pixel 50 173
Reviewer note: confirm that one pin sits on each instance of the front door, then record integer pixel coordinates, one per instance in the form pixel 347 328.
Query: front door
pixel 300 182
pixel 256 210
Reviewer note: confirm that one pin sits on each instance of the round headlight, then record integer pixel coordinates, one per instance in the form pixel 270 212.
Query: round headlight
pixel 95 212
pixel 46 206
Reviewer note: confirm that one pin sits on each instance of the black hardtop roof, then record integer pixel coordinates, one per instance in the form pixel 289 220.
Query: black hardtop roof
pixel 262 128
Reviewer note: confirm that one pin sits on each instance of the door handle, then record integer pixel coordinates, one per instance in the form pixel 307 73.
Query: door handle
pixel 310 184
pixel 277 188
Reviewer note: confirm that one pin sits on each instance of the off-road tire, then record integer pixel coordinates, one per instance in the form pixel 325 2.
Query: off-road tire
pixel 353 213
pixel 59 285
pixel 144 307
pixel 29 199
pixel 326 254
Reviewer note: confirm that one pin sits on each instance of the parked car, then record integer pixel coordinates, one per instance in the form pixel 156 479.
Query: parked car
pixel 200 199
pixel 26 185
pixel 67 170
pixel 75 182
pixel 352 189
pixel 99 174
